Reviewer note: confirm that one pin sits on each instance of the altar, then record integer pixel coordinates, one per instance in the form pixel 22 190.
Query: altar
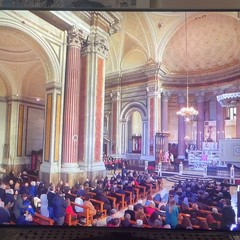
pixel 207 156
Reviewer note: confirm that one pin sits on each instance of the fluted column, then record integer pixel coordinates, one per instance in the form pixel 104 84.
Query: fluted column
pixel 92 85
pixel 181 129
pixel 72 100
pixel 238 123
pixel 200 120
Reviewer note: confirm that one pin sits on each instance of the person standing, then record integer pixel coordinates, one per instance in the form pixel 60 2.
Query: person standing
pixel 50 195
pixel 59 208
pixel 172 213
pixel 44 204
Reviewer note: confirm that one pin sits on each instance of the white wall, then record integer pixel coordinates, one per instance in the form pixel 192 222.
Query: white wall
pixel 3 118
pixel 229 150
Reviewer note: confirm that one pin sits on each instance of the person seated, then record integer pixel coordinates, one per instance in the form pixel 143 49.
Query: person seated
pixel 155 220
pixel 87 203
pixel 194 213
pixel 139 214
pixel 5 217
pixel 216 215
pixel 69 210
pixel 79 201
pixel 126 221
pixel 180 219
pixel 139 223
pixel 150 209
pixel 102 196
pixel 131 212
pixel 186 223
pixel 149 201
pixel 111 215
pixel 212 223
pixel 33 189
pixel 204 225
pixel 115 222
pixel 28 218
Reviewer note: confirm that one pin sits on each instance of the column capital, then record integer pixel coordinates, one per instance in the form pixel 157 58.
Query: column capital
pixel 181 98
pixel 200 97
pixel 153 89
pixel 115 95
pixel 96 43
pixel 75 37
pixel 166 95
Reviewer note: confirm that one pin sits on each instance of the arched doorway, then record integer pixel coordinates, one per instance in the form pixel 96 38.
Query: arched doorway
pixel 135 133
pixel 134 129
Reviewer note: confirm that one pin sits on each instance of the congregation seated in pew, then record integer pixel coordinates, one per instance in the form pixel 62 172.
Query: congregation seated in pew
pixel 198 201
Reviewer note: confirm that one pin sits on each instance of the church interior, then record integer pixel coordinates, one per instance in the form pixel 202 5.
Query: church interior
pixel 85 94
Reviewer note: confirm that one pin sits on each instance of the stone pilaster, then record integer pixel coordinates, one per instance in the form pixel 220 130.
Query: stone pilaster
pixel 115 129
pixel 50 168
pixel 154 115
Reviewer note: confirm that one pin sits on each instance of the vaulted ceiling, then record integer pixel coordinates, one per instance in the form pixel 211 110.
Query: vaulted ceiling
pixel 213 49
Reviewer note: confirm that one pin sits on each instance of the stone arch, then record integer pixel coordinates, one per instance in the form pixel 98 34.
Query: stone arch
pixel 131 107
pixel 124 119
pixel 39 44
pixel 8 80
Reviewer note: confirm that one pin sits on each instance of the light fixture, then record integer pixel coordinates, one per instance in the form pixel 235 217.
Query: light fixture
pixel 187 112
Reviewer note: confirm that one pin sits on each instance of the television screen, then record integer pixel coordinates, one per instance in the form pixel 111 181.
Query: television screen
pixel 124 119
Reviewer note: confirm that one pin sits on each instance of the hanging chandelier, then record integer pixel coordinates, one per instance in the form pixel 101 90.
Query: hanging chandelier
pixel 187 112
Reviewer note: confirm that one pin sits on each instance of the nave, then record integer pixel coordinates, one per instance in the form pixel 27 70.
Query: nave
pixel 146 198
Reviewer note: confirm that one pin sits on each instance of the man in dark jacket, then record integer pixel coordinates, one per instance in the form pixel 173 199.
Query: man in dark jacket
pixel 228 217
pixel 50 195
pixel 59 208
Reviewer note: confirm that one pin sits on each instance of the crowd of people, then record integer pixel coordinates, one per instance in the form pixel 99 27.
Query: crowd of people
pixel 175 208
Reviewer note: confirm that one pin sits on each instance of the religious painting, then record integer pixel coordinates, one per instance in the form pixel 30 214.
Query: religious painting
pixel 210 131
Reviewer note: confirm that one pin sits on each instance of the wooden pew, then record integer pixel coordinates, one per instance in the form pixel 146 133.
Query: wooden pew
pixel 99 206
pixel 122 202
pixel 39 219
pixel 150 188
pixel 142 189
pixel 130 194
pixel 113 201
pixel 69 221
pixel 85 214
pixel 136 194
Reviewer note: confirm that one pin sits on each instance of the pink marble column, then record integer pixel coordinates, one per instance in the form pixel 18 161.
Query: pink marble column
pixel 238 123
pixel 200 121
pixel 181 129
pixel 71 104
pixel 206 111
